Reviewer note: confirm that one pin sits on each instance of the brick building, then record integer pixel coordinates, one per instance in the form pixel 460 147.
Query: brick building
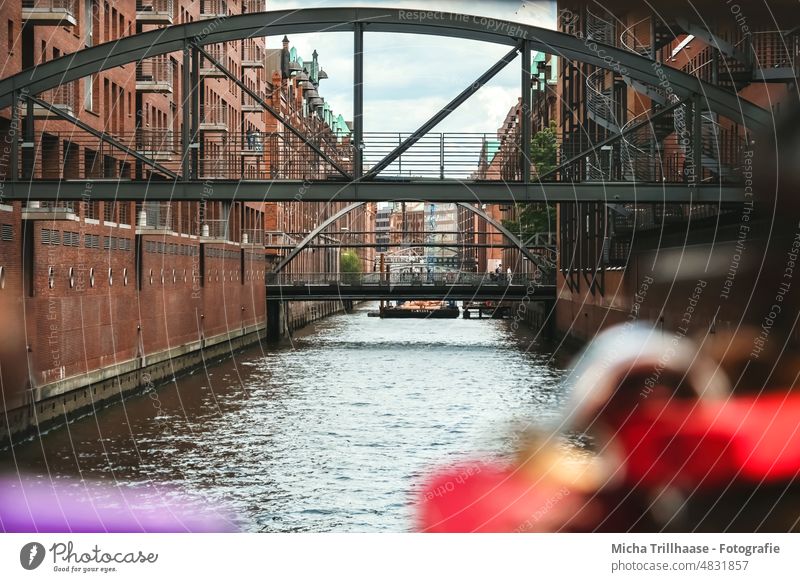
pixel 102 297
pixel 607 250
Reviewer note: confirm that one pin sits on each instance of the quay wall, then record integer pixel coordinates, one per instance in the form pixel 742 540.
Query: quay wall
pixel 92 311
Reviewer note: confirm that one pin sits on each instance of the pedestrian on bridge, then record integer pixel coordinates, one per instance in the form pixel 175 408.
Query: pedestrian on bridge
pixel 508 275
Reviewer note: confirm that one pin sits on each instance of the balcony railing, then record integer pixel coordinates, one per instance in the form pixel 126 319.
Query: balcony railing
pixel 213 9
pixel 277 238
pixel 249 104
pixel 50 12
pixel 252 55
pixel 773 50
pixel 253 236
pixel 155 216
pixel 250 6
pixel 214 117
pixel 62 97
pixel 155 11
pixel 158 144
pixel 217 229
pixel 220 54
pixel 253 142
pixel 155 75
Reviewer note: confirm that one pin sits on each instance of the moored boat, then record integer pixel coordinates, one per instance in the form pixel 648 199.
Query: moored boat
pixel 422 310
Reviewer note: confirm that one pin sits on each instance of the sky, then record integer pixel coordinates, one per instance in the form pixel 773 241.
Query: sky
pixel 408 78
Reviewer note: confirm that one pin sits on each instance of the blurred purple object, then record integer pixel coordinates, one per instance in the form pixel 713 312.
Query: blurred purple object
pixel 28 504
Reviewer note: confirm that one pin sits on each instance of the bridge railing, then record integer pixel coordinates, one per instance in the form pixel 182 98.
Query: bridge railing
pixel 435 279
pixel 224 154
pixel 156 73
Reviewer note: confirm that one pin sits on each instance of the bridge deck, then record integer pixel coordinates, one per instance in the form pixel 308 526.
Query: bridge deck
pixel 477 287
pixel 376 191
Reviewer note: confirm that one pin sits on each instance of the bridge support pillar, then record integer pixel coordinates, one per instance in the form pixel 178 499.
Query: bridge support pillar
pixel 358 100
pixel 526 115
pixel 275 319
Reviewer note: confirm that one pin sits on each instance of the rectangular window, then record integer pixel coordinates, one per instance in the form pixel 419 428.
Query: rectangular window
pixel 88 22
pixel 106 22
pixel 51 237
pixel 109 212
pixel 105 106
pixel 95 100
pixel 120 108
pixel 88 93
pixel 95 8
pixel 123 213
pixel 11 37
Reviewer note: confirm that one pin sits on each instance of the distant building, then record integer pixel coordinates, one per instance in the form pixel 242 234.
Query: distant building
pixel 383 216
pixel 442 228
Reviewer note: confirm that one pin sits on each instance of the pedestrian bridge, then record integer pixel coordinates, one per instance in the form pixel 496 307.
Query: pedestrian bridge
pixel 634 164
pixel 454 286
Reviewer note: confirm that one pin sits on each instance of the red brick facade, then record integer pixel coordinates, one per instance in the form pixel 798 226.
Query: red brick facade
pixel 97 296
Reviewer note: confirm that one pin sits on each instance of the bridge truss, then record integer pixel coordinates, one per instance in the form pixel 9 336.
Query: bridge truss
pixel 338 171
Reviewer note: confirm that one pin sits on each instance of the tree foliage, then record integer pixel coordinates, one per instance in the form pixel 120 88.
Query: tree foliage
pixel 544 150
pixel 537 218
pixel 349 266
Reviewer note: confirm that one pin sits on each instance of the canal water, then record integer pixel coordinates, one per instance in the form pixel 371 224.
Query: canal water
pixel 329 432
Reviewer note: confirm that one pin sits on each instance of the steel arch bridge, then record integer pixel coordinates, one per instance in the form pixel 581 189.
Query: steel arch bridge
pixel 350 182
pixel 535 259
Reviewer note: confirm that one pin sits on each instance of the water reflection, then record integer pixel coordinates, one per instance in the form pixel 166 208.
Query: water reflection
pixel 329 433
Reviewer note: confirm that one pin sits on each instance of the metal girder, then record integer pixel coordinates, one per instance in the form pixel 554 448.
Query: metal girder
pixel 186 118
pixel 702 32
pixel 171 39
pixel 614 138
pixel 446 191
pixel 358 100
pixel 526 115
pixel 421 292
pixel 532 257
pixel 440 115
pixel 102 136
pixel 461 245
pixel 314 233
pixel 276 114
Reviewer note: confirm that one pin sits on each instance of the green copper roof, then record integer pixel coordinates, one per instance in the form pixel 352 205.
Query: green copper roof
pixel 540 57
pixel 491 147
pixel 336 122
pixel 340 127
pixel 293 56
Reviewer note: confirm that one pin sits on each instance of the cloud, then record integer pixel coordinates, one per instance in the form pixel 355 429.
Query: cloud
pixel 408 78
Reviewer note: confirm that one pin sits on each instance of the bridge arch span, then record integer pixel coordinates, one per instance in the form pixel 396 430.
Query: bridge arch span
pixel 535 259
pixel 179 37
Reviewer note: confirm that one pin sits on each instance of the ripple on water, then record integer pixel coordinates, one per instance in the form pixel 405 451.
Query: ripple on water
pixel 332 433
